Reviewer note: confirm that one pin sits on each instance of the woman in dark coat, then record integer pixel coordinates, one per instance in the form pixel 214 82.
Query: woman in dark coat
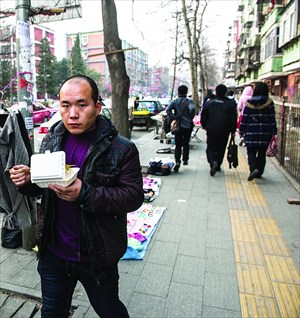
pixel 258 125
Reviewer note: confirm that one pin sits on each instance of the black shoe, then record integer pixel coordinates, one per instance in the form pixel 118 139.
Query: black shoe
pixel 213 168
pixel 185 163
pixel 253 175
pixel 176 168
pixel 218 168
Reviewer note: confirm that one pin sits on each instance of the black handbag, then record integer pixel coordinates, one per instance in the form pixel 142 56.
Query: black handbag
pixel 232 153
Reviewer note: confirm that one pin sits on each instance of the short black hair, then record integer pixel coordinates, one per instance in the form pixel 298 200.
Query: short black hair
pixel 261 89
pixel 221 90
pixel 182 90
pixel 91 82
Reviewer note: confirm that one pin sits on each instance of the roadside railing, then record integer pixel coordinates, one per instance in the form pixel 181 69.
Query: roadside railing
pixel 288 136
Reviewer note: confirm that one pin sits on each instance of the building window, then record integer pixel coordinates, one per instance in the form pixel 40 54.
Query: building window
pixel 84 55
pixel 84 40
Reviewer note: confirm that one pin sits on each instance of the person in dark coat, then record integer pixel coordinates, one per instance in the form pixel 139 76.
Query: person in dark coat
pixel 258 125
pixel 82 228
pixel 182 108
pixel 218 118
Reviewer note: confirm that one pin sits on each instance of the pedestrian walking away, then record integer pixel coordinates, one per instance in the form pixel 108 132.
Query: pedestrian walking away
pixel 258 126
pixel 246 94
pixel 183 109
pixel 219 119
pixel 82 229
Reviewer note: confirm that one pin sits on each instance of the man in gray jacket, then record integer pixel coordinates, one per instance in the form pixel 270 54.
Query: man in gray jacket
pixel 182 108
pixel 82 229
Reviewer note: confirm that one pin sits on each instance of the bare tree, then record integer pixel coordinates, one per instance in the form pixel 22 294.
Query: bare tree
pixel 193 15
pixel 120 81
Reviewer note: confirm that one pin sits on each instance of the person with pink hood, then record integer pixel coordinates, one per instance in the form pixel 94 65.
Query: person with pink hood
pixel 246 94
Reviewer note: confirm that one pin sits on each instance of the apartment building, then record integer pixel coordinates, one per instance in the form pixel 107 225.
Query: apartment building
pixel 8 49
pixel 264 45
pixel 92 50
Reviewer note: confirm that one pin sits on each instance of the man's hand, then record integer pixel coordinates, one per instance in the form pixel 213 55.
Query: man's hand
pixel 20 175
pixel 70 193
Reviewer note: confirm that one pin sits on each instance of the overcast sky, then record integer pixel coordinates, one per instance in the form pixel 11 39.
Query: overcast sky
pixel 143 23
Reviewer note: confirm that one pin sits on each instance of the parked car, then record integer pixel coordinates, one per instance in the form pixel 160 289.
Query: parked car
pixel 154 106
pixel 40 113
pixel 165 101
pixel 54 108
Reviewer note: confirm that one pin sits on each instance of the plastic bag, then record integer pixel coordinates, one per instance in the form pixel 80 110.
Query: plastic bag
pixel 174 126
pixel 272 147
pixel 232 154
pixel 11 238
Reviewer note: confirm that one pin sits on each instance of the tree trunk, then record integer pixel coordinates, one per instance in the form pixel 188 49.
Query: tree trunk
pixel 120 81
pixel 192 52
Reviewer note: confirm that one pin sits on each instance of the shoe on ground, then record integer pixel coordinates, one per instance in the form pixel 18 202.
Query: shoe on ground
pixel 253 174
pixel 185 163
pixel 176 168
pixel 213 168
pixel 218 168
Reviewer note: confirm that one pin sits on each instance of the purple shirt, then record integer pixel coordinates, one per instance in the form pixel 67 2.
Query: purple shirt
pixel 67 237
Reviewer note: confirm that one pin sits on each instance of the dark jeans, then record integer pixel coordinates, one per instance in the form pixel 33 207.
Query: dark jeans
pixel 216 147
pixel 182 144
pixel 59 278
pixel 257 158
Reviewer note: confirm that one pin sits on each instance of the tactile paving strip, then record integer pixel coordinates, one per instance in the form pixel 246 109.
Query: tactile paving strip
pixel 268 278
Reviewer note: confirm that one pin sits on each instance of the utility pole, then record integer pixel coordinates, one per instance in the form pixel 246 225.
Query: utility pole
pixel 24 79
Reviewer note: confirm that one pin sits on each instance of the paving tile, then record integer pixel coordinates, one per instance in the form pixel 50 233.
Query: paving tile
pixel 192 246
pixel 169 232
pixel 221 291
pixel 188 296
pixel 212 312
pixel 189 270
pixel 219 239
pixel 220 261
pixel 219 221
pixel 144 305
pixel 28 278
pixel 255 306
pixel 127 283
pixel 163 253
pixel 155 280
pixel 19 261
pixel 196 227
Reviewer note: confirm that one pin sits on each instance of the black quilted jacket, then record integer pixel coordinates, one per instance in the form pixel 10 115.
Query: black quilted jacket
pixel 112 186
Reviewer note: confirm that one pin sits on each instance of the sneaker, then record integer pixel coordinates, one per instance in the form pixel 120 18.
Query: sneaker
pixel 213 168
pixel 253 175
pixel 176 168
pixel 185 163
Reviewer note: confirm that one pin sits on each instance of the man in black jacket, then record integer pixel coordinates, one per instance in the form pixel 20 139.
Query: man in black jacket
pixel 82 228
pixel 218 118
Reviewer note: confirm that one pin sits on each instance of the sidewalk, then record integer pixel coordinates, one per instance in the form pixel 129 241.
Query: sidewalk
pixel 225 247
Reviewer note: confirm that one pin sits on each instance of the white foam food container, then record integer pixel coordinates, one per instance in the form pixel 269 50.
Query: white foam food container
pixel 50 168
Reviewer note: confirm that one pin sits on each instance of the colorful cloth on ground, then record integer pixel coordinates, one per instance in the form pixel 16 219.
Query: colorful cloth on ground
pixel 151 184
pixel 141 225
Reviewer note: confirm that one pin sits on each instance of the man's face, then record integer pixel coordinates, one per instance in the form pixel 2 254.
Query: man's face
pixel 78 111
